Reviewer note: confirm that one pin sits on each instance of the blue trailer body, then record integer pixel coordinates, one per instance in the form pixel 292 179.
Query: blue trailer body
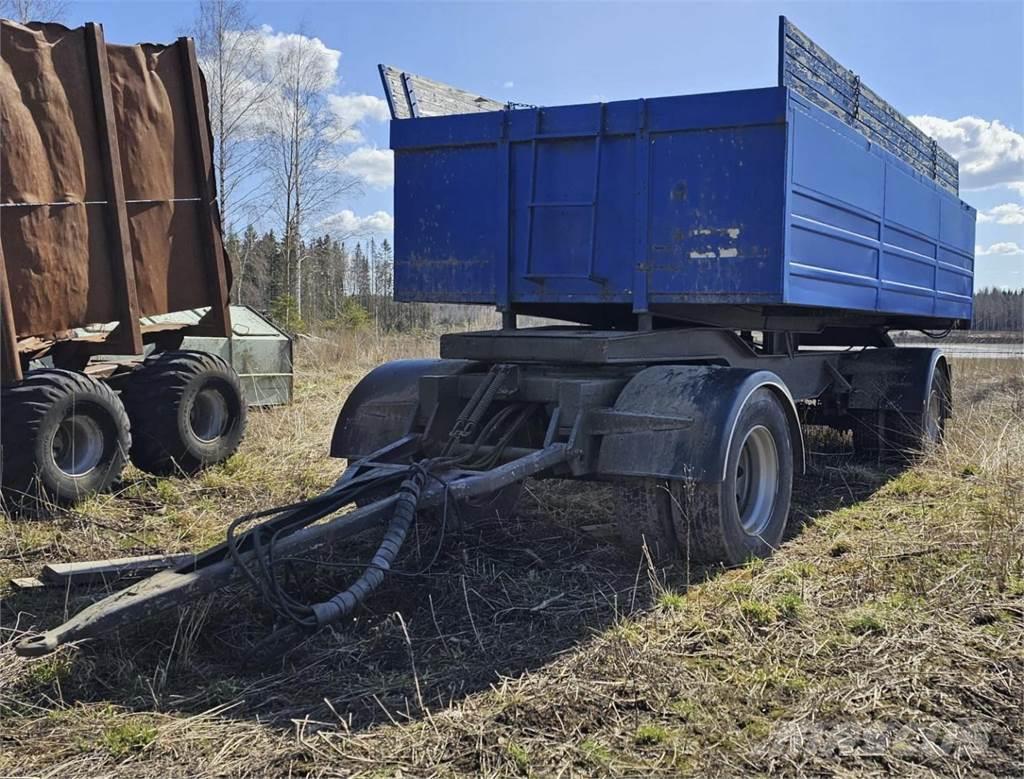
pixel 762 197
pixel 755 197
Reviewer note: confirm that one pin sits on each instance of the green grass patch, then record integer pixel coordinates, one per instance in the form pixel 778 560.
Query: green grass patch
pixel 651 735
pixel 796 572
pixel 866 620
pixel 127 738
pixel 670 600
pixel 595 752
pixel 49 671
pixel 518 756
pixel 758 613
pixel 789 606
pixel 687 709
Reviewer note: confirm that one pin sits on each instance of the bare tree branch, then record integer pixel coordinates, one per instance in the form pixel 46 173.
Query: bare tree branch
pixel 231 54
pixel 34 10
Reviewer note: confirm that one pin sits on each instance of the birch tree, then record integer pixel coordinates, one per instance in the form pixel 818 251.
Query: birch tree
pixel 301 148
pixel 230 50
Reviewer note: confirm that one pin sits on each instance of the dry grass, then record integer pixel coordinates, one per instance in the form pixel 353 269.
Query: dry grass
pixel 886 635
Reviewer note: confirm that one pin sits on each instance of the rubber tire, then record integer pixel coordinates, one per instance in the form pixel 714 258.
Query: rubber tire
pixel 700 521
pixel 905 436
pixel 159 397
pixel 32 410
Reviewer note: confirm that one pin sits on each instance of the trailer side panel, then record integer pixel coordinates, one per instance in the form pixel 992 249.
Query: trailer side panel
pixel 66 219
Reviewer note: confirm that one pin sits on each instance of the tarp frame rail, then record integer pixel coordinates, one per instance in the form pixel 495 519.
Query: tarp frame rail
pixel 814 74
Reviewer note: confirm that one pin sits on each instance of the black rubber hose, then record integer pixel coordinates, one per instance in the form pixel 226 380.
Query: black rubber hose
pixel 346 601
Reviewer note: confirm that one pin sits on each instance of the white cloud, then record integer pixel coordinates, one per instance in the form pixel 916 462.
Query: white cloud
pixel 347 223
pixel 1006 214
pixel 509 84
pixel 278 46
pixel 372 166
pixel 352 109
pixel 990 153
pixel 1002 247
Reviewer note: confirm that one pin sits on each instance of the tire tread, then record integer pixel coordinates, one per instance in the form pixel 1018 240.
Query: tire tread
pixel 159 385
pixel 24 408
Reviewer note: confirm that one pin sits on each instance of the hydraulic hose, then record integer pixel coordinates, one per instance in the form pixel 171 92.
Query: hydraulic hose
pixel 261 570
pixel 346 601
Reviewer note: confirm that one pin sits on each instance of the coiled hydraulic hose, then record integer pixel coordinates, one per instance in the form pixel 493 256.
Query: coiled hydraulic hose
pixel 414 477
pixel 345 602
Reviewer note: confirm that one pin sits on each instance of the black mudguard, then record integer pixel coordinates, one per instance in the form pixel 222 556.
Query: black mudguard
pixel 898 378
pixel 713 397
pixel 384 405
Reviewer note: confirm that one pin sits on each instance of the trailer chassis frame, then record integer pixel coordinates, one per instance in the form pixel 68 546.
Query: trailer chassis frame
pixel 616 405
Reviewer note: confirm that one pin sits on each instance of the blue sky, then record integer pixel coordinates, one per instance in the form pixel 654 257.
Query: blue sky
pixel 960 65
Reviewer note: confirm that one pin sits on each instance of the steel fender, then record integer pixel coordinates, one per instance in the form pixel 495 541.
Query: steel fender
pixel 382 407
pixel 713 397
pixel 894 378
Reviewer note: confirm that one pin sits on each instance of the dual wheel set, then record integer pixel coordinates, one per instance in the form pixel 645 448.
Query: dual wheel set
pixel 66 434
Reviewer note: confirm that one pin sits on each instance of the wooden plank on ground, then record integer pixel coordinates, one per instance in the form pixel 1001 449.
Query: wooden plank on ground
pixel 99 571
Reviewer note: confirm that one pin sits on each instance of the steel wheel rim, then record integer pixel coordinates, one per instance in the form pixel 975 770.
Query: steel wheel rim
pixel 77 445
pixel 208 415
pixel 757 480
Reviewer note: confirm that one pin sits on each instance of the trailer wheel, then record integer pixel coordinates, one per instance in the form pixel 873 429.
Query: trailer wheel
pixel 731 521
pixel 187 412
pixel 905 434
pixel 65 435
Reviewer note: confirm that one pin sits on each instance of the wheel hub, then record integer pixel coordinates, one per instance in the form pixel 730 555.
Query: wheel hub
pixel 208 416
pixel 77 445
pixel 757 480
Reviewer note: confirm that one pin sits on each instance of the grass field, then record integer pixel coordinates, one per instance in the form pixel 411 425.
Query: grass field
pixel 887 635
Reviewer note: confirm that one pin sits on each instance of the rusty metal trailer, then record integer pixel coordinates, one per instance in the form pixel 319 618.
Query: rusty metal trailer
pixel 108 214
pixel 733 261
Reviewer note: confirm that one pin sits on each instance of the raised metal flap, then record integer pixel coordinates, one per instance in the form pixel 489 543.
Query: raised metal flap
pixel 411 96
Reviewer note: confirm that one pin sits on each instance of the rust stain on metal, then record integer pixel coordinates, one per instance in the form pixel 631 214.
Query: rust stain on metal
pixel 57 232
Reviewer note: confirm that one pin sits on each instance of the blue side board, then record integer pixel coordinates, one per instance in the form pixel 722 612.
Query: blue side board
pixel 756 197
pixel 866 231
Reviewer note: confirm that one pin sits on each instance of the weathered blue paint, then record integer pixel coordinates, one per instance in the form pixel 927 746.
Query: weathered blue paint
pixel 754 197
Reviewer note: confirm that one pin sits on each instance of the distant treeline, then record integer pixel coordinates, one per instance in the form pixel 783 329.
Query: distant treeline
pixel 337 284
pixel 998 309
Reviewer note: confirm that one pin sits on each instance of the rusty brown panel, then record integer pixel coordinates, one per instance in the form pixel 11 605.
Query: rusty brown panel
pixel 209 219
pixel 57 268
pixel 55 176
pixel 167 237
pixel 151 103
pixel 153 122
pixel 10 363
pixel 129 336
pixel 46 117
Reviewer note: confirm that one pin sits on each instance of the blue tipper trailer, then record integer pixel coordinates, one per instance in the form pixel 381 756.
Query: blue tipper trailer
pixel 733 263
pixel 773 199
